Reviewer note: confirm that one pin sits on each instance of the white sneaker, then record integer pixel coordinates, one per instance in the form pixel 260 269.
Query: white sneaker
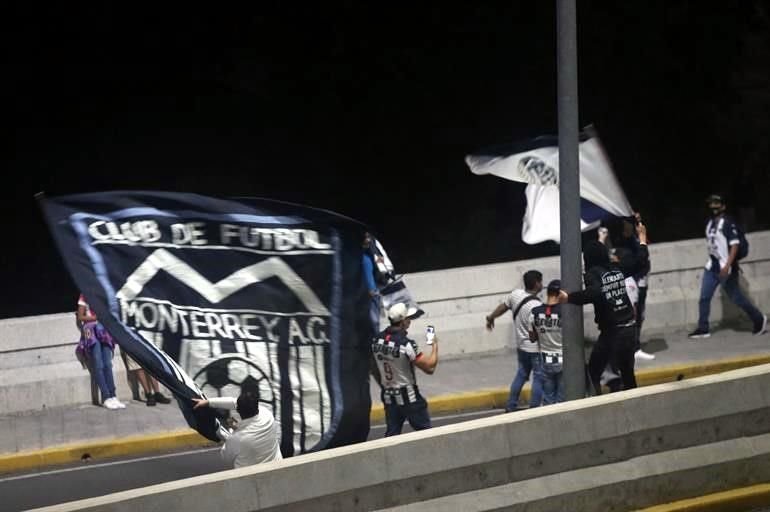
pixel 643 356
pixel 120 404
pixel 763 328
pixel 607 376
pixel 111 404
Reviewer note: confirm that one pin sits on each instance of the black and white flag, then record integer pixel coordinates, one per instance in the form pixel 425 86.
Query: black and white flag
pixel 205 293
pixel 536 163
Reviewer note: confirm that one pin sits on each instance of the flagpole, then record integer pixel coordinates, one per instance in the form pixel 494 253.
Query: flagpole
pixel 569 197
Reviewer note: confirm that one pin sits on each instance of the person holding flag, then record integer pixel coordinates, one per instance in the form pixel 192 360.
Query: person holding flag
pixel 255 439
pixel 605 288
pixel 277 279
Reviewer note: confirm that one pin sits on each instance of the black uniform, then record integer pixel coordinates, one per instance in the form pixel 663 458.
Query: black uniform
pixel 605 288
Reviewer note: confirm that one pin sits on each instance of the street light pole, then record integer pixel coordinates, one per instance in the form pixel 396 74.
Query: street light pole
pixel 569 196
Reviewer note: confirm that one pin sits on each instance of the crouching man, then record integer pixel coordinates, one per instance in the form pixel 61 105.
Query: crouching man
pixel 256 439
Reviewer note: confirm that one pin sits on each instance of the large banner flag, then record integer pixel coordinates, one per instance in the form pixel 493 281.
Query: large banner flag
pixel 207 294
pixel 536 163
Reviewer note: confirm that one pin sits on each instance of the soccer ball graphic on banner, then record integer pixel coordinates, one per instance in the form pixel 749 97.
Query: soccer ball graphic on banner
pixel 230 373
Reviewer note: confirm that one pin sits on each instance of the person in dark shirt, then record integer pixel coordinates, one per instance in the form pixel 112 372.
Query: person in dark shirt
pixel 627 256
pixel 635 264
pixel 605 288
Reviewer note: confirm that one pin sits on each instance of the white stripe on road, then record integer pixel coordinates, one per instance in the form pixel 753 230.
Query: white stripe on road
pixel 87 465
pixel 105 464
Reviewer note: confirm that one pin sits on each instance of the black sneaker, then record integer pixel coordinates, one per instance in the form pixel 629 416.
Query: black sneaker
pixel 150 400
pixel 762 328
pixel 161 399
pixel 699 333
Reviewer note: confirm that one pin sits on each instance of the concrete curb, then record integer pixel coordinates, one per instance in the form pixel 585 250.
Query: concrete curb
pixel 445 404
pixel 102 449
pixel 497 398
pixel 745 498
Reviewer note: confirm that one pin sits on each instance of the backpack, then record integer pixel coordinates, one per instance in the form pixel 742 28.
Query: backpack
pixel 743 245
pixel 727 223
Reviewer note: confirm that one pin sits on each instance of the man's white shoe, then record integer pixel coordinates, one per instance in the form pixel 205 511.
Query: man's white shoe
pixel 121 405
pixel 643 356
pixel 112 404
pixel 763 328
pixel 607 376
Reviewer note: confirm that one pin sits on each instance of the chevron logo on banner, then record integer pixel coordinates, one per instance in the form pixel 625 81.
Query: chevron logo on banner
pixel 162 259
pixel 206 293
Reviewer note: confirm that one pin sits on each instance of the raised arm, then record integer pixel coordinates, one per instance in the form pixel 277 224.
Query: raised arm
pixel 224 402
pixel 428 364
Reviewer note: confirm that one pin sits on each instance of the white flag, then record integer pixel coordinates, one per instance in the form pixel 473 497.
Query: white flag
pixel 536 162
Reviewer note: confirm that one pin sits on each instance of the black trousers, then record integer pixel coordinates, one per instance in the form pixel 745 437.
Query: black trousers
pixel 640 307
pixel 616 347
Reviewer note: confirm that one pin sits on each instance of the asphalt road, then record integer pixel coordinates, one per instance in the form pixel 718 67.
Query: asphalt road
pixel 43 488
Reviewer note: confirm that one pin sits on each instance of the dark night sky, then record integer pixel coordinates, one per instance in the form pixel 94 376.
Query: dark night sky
pixel 368 110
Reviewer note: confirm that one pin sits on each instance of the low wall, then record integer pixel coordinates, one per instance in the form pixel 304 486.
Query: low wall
pixel 674 434
pixel 38 368
pixel 457 300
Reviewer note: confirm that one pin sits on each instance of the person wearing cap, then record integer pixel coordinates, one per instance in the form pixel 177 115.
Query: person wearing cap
pixel 256 438
pixel 723 238
pixel 605 288
pixel 545 330
pixel 395 356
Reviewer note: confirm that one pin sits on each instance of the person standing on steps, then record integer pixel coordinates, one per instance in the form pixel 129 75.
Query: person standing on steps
pixel 97 345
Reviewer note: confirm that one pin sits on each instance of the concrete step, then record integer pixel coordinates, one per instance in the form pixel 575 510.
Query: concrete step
pixel 42 356
pixel 629 485
pixel 53 385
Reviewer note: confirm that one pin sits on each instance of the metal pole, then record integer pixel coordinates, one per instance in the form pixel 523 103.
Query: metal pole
pixel 569 197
